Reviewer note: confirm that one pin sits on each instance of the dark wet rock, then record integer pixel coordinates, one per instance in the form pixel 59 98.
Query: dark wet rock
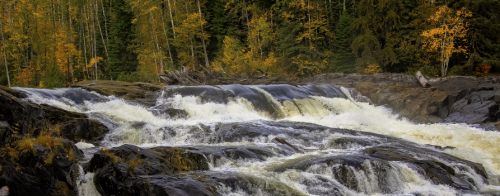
pixel 215 154
pixel 29 118
pixel 205 93
pixel 83 129
pixel 171 113
pixel 5 133
pixel 283 141
pixel 164 185
pixel 253 185
pixel 34 174
pixel 14 92
pixel 22 116
pixel 119 170
pixel 258 100
pixel 432 164
pixel 350 142
pixel 126 90
pixel 346 170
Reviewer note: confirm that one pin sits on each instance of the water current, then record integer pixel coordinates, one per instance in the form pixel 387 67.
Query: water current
pixel 328 130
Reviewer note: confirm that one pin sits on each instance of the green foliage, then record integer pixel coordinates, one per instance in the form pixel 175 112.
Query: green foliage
pixel 122 59
pixel 53 78
pixel 344 58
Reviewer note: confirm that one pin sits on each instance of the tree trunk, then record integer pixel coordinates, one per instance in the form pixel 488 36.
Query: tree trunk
pixel 95 46
pixel 166 39
pixel 105 22
pixel 152 47
pixel 69 41
pixel 171 18
pixel 190 38
pixel 5 55
pixel 207 64
pixel 84 47
pixel 100 30
pixel 156 41
pixel 422 79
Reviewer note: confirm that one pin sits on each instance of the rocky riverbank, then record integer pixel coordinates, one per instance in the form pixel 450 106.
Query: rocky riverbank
pixel 470 100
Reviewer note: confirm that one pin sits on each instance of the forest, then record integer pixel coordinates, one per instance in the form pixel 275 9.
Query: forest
pixel 55 43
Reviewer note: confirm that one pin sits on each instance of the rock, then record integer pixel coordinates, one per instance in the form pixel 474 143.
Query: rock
pixel 33 174
pixel 30 118
pixel 475 108
pixel 126 90
pixel 164 185
pixel 283 141
pixel 5 133
pixel 83 129
pixel 22 116
pixel 171 113
pixel 409 99
pixel 4 191
pixel 437 171
pixel 121 170
pixel 205 93
pixel 349 142
pixel 217 155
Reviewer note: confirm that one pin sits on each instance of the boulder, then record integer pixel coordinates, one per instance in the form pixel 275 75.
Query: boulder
pixel 29 118
pixel 45 171
pixel 130 170
pixel 125 90
pixel 5 133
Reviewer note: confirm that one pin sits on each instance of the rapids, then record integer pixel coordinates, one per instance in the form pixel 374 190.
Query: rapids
pixel 312 118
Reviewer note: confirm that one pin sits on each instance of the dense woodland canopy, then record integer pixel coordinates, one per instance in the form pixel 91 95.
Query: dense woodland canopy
pixel 51 43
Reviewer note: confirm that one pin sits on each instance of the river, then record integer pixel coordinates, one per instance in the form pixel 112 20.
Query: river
pixel 325 132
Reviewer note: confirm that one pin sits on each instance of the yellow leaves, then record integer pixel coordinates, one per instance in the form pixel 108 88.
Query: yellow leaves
pixel 373 69
pixel 449 28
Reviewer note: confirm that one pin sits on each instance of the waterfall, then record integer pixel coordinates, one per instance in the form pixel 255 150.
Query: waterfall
pixel 324 157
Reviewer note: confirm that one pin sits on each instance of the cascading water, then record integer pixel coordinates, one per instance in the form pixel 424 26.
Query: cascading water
pixel 288 140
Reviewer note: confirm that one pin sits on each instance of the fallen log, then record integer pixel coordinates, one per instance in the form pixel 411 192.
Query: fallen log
pixel 422 79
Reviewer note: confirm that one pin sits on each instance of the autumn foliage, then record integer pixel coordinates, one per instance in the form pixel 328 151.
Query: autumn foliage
pixel 56 43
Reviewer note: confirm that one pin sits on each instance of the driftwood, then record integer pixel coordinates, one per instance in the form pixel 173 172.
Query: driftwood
pixel 264 74
pixel 224 71
pixel 422 79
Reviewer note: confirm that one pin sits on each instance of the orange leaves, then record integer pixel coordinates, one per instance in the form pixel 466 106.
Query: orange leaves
pixel 482 70
pixel 93 61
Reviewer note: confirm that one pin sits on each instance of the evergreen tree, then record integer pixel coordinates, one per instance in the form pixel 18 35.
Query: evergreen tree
pixel 123 60
pixel 218 25
pixel 344 58
pixel 53 78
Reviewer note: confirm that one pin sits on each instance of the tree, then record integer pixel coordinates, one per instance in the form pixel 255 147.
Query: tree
pixel 5 54
pixel 450 29
pixel 344 58
pixel 122 58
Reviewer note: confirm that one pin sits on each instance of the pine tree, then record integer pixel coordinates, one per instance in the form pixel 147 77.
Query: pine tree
pixel 344 58
pixel 122 58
